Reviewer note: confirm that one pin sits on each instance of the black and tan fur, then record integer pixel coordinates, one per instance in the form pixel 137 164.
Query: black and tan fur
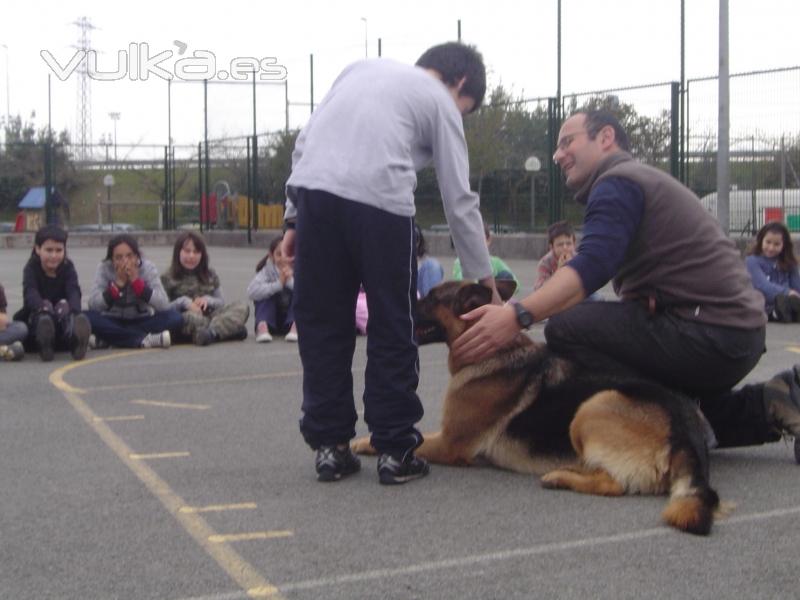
pixel 526 410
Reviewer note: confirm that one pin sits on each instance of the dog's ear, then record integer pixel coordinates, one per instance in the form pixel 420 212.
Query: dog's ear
pixel 506 288
pixel 470 297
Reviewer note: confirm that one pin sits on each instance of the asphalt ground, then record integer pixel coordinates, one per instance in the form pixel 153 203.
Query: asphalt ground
pixel 180 474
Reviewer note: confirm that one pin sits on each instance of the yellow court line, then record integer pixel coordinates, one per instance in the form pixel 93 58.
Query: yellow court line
pixel 121 418
pixel 795 349
pixel 218 507
pixel 246 537
pixel 236 567
pixel 236 378
pixel 171 404
pixel 159 455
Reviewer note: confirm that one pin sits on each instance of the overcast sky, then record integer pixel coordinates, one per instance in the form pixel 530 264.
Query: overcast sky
pixel 605 44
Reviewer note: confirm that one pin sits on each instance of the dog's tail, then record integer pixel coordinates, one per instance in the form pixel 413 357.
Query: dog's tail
pixel 692 501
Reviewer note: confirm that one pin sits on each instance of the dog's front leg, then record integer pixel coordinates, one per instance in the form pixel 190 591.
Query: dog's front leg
pixel 438 448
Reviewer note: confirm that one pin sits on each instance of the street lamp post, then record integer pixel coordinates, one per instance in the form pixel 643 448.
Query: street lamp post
pixel 366 39
pixel 108 181
pixel 8 90
pixel 115 117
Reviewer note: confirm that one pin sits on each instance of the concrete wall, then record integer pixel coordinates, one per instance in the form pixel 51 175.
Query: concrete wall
pixel 510 245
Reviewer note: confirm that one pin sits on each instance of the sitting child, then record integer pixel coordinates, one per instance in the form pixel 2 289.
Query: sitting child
pixel 52 298
pixel 500 270
pixel 429 270
pixel 12 333
pixel 561 243
pixel 194 290
pixel 773 269
pixel 271 293
pixel 128 305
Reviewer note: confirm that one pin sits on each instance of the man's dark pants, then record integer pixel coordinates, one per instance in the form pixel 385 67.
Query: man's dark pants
pixel 704 361
pixel 339 245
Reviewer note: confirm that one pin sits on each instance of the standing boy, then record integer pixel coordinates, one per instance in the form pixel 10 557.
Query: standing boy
pixel 350 220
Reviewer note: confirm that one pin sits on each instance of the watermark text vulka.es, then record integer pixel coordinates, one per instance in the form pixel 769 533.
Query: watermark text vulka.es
pixel 138 63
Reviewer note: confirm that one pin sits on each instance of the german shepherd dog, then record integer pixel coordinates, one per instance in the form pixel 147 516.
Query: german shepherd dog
pixel 529 411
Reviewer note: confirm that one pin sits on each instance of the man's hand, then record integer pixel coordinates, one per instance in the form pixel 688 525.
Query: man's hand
pixel 495 328
pixel 3 321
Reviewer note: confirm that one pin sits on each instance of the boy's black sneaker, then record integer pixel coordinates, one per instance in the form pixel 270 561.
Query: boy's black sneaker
pixel 335 462
pixel 46 337
pixel 394 471
pixel 81 332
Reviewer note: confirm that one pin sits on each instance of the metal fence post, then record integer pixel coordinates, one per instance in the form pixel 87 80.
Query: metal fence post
pixel 674 130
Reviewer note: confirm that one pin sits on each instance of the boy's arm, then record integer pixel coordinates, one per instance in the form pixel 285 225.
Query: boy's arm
pixel 30 290
pixel 73 289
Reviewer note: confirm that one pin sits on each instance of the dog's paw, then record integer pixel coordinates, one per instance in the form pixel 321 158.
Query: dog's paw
pixel 553 481
pixel 362 446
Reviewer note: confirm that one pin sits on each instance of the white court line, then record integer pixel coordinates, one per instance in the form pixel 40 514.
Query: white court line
pixel 500 556
pixel 519 553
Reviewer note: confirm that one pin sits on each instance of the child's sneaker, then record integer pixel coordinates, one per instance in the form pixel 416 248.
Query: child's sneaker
pixel 13 351
pixel 81 332
pixel 96 343
pixel 157 340
pixel 46 337
pixel 394 471
pixel 334 462
pixel 291 336
pixel 262 333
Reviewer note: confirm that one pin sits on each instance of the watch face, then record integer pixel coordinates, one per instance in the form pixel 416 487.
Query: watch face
pixel 524 318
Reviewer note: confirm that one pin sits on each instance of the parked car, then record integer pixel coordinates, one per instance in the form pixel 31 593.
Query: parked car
pixel 120 227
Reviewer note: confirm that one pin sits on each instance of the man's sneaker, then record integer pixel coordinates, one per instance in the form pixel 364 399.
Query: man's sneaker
pixel 46 337
pixel 157 340
pixel 81 332
pixel 782 404
pixel 393 470
pixel 334 462
pixel 13 351
pixel 262 333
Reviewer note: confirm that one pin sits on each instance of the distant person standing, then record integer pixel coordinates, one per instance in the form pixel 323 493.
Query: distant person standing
pixel 350 220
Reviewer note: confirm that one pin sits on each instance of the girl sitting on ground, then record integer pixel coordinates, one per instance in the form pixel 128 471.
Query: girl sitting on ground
pixel 271 293
pixel 773 269
pixel 193 289
pixel 128 305
pixel 12 333
pixel 52 298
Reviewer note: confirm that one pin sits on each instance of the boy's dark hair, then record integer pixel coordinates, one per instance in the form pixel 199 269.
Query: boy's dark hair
pixel 123 238
pixel 559 228
pixel 272 246
pixel 786 259
pixel 177 270
pixel 597 119
pixel 454 61
pixel 50 232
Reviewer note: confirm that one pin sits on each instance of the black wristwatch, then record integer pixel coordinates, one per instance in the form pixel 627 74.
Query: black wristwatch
pixel 524 317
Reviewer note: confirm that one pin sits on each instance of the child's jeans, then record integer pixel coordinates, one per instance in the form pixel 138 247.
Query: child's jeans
pixel 276 311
